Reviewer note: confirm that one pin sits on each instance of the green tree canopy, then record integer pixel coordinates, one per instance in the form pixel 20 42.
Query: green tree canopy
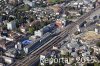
pixel 98 44
pixel 31 30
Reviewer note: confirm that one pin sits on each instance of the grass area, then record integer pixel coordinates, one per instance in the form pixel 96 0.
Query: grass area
pixel 55 1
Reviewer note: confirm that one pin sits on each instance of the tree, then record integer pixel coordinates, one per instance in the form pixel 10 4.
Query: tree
pixel 73 64
pixel 17 23
pixel 20 55
pixel 96 64
pixel 98 44
pixel 92 50
pixel 77 32
pixel 98 56
pixel 31 30
pixel 55 1
pixel 4 27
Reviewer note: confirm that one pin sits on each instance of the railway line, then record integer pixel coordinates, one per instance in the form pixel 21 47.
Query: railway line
pixel 67 31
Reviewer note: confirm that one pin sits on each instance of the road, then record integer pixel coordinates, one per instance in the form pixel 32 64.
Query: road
pixel 67 31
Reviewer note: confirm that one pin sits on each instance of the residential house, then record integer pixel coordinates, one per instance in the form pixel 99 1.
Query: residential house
pixel 38 33
pixel 11 25
pixel 11 53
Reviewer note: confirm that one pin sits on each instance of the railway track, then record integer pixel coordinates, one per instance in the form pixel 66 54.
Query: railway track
pixel 34 55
